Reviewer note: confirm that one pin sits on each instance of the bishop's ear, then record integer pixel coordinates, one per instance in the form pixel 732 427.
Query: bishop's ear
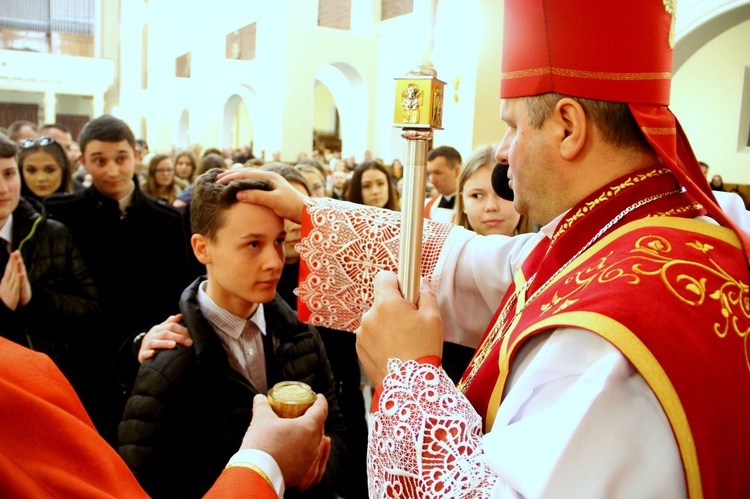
pixel 570 118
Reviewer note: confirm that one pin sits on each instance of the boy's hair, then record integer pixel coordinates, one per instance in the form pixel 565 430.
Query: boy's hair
pixel 106 128
pixel 211 199
pixel 8 148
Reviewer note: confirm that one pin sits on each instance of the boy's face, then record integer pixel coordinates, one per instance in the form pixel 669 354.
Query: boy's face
pixel 10 189
pixel 111 165
pixel 245 259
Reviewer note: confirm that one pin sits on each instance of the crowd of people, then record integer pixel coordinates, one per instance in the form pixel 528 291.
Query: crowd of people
pixel 104 242
pixel 172 292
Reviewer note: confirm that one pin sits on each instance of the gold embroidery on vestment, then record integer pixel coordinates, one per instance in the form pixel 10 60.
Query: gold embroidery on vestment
pixel 612 191
pixel 696 282
pixel 671 7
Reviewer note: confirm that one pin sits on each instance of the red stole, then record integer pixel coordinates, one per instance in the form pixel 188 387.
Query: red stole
pixel 430 203
pixel 671 293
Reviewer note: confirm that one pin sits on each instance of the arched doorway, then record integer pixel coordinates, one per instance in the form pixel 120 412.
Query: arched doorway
pixel 700 21
pixel 348 90
pixel 182 140
pixel 237 127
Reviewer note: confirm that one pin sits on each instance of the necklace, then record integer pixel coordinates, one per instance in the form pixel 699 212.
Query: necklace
pixel 499 331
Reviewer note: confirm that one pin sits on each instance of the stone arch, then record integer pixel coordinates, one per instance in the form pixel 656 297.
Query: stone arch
pixel 240 95
pixel 349 90
pixel 700 21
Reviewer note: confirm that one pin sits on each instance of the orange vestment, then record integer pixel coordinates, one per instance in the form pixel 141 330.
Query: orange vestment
pixel 49 447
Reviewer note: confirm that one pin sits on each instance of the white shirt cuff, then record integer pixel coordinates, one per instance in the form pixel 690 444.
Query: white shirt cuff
pixel 265 462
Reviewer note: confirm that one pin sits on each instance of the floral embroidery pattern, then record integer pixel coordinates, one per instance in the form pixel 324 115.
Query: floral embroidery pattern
pixel 345 250
pixel 695 282
pixel 425 438
pixel 611 192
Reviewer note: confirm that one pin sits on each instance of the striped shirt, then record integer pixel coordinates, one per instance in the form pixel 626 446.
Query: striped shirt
pixel 241 338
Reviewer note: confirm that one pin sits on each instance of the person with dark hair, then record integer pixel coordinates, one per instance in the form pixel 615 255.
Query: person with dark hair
pixel 44 168
pixel 48 301
pixel 21 129
pixel 371 185
pixel 123 236
pixel 141 146
pixel 704 168
pixel 614 358
pixel 443 167
pixel 717 183
pixel 245 338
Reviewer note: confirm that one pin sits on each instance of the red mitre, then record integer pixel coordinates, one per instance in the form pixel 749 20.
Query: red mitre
pixel 617 51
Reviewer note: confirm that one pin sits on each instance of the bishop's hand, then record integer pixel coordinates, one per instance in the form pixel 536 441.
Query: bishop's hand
pixel 395 328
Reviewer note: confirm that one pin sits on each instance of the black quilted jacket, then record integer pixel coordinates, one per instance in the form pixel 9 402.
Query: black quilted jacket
pixel 189 409
pixel 63 296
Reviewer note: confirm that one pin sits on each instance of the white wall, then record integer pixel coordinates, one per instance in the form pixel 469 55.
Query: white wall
pixel 706 98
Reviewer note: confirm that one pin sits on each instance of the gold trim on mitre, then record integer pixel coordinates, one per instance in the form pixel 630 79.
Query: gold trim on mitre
pixel 591 75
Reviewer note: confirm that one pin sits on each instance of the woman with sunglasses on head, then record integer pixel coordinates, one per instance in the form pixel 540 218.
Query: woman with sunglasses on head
pixel 45 168
pixel 47 297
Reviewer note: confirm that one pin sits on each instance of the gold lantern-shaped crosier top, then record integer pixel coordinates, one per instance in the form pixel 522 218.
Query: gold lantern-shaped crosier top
pixel 419 102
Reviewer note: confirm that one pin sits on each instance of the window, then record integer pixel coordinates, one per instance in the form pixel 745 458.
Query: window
pixel 182 66
pixel 241 43
pixel 394 8
pixel 743 139
pixel 51 26
pixel 335 14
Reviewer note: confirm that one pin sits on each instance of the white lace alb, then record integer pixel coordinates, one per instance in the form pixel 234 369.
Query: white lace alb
pixel 425 438
pixel 346 247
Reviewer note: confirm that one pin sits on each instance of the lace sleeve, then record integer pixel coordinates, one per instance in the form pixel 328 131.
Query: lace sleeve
pixel 425 438
pixel 344 246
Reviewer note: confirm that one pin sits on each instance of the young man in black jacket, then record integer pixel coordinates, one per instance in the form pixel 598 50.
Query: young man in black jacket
pixel 190 406
pixel 135 248
pixel 47 297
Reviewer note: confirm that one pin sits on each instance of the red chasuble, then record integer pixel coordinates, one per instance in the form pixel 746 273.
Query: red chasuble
pixel 670 292
pixel 49 447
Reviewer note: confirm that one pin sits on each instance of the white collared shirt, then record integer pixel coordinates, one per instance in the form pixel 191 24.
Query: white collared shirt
pixel 239 337
pixel 127 199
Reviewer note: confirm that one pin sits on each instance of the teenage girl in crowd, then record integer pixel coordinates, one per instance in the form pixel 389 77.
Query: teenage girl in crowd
pixel 478 207
pixel 45 168
pixel 371 185
pixel 185 168
pixel 160 181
